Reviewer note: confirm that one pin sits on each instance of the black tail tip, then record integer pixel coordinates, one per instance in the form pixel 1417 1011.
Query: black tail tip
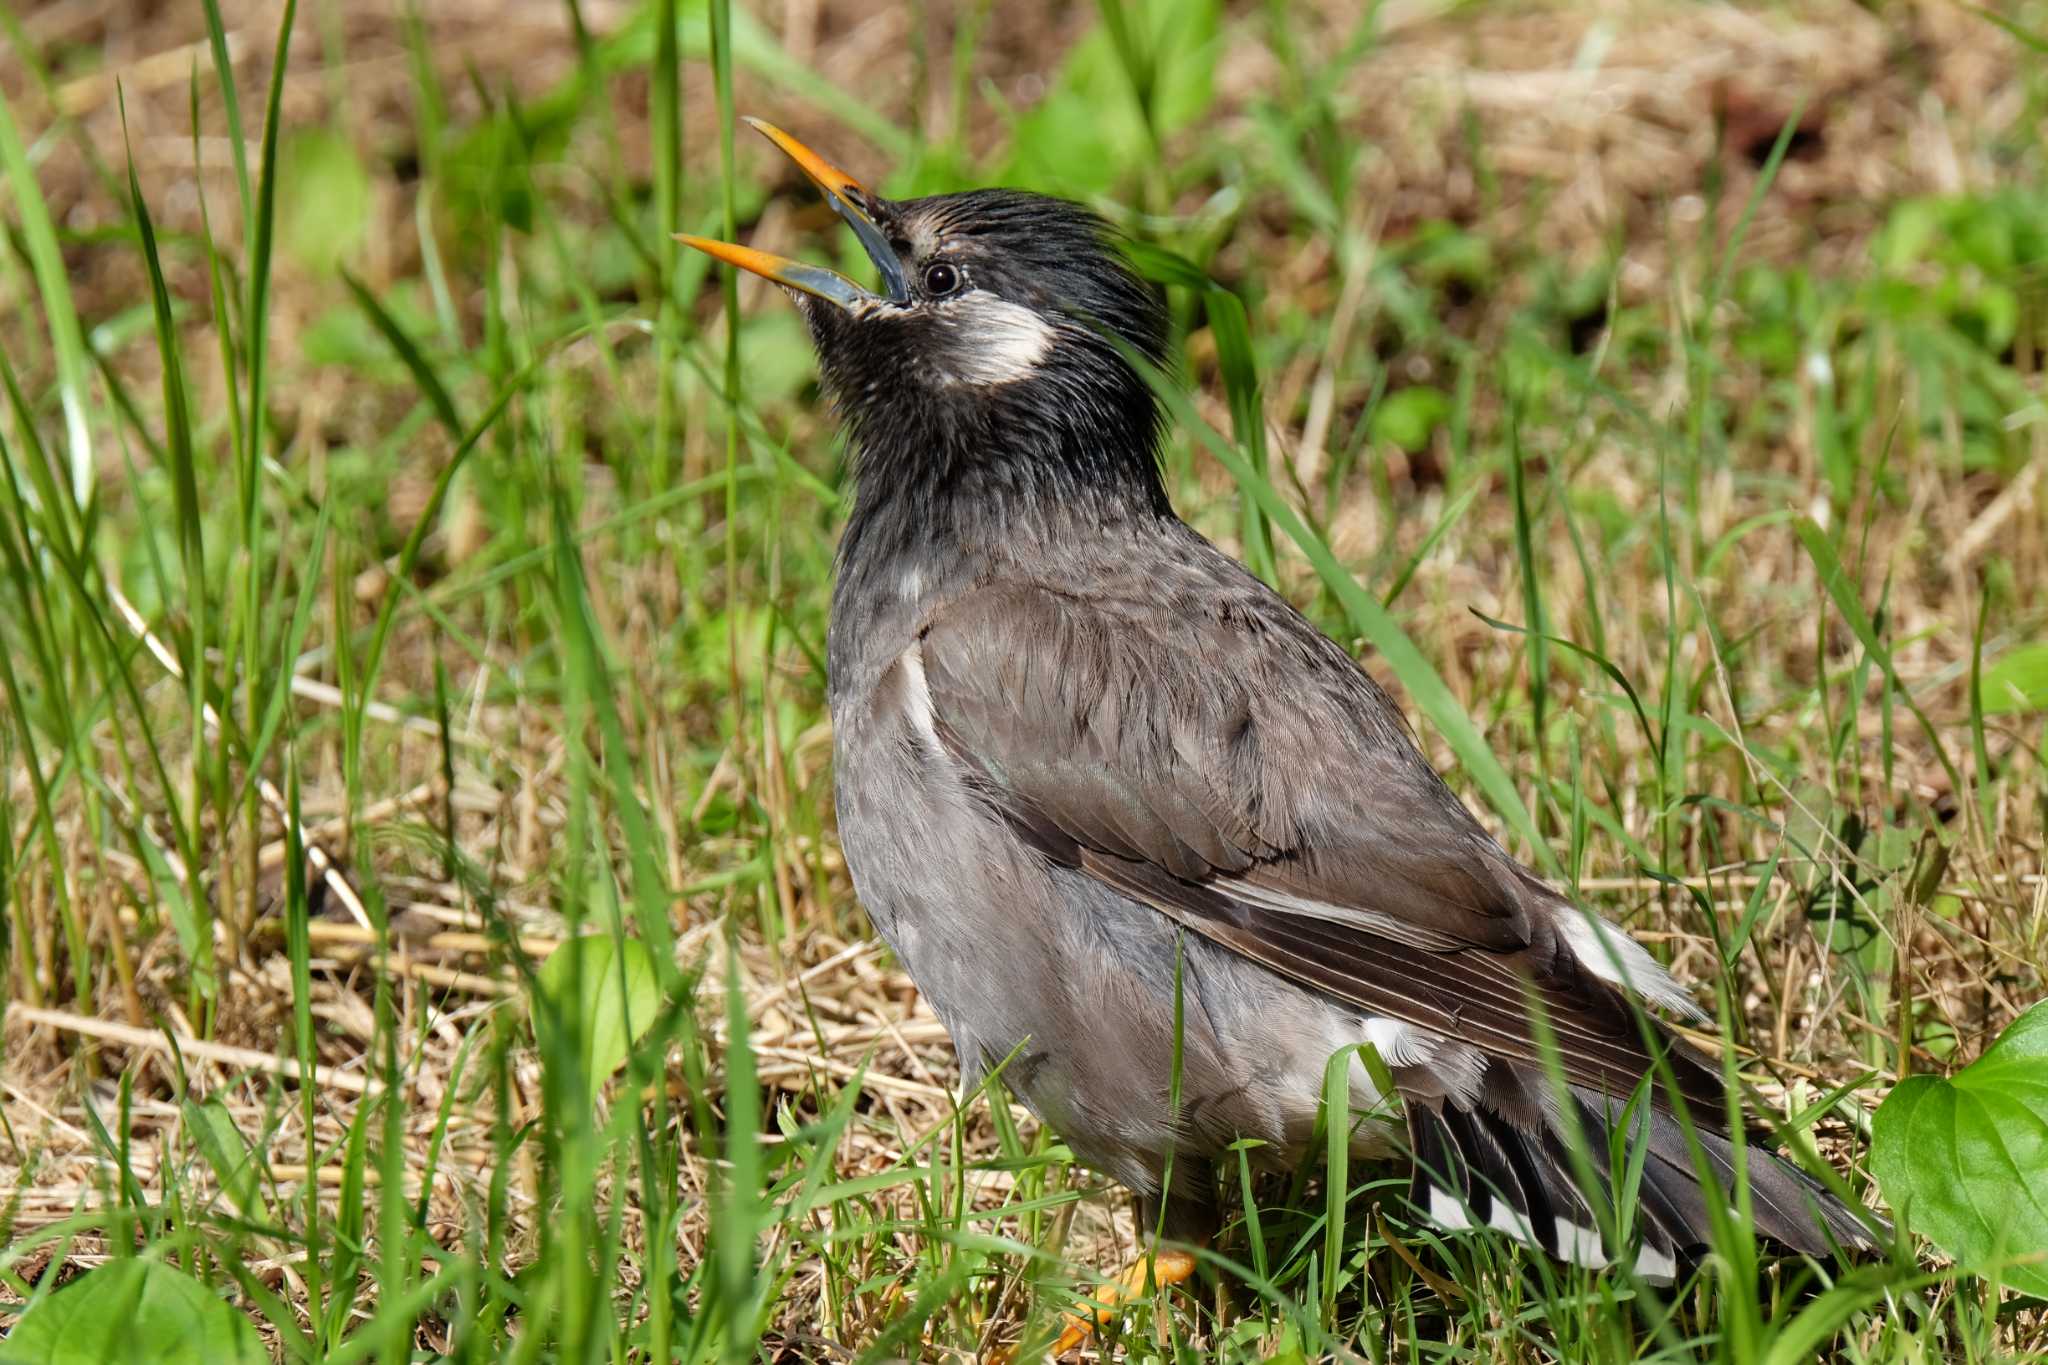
pixel 1476 1169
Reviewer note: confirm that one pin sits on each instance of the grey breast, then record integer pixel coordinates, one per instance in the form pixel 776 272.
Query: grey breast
pixel 1069 985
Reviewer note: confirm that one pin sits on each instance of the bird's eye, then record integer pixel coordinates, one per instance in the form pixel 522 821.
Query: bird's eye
pixel 940 279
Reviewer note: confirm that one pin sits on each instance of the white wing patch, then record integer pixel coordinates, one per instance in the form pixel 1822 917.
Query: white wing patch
pixel 1399 1044
pixel 1577 1243
pixel 1610 954
pixel 1580 1244
pixel 1447 1211
pixel 1453 1214
pixel 1658 1267
pixel 1603 949
pixel 917 695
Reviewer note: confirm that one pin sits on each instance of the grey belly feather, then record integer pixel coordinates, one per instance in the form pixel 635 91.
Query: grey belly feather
pixel 1071 987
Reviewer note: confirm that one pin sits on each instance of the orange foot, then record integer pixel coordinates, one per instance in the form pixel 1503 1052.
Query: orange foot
pixel 1163 1267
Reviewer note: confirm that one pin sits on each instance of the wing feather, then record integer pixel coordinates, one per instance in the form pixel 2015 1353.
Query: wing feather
pixel 1239 773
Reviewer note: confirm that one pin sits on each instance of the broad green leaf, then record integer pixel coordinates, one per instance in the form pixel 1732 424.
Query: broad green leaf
pixel 1962 1159
pixel 38 240
pixel 1409 417
pixel 1185 48
pixel 194 941
pixel 615 998
pixel 323 199
pixel 133 1312
pixel 2018 681
pixel 1153 60
pixel 219 1139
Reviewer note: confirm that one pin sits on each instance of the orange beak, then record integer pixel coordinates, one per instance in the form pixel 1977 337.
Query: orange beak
pixel 852 202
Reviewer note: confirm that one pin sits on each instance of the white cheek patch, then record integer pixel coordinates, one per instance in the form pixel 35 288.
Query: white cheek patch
pixel 996 341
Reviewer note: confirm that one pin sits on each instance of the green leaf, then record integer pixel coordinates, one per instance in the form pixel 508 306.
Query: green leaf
pixel 2029 37
pixel 39 241
pixel 1961 1158
pixel 1409 417
pixel 219 1139
pixel 1147 64
pixel 323 199
pixel 609 985
pixel 1076 141
pixel 1441 253
pixel 2018 682
pixel 133 1310
pixel 193 940
pixel 1185 49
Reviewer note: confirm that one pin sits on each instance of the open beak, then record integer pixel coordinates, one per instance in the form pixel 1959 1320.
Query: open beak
pixel 850 200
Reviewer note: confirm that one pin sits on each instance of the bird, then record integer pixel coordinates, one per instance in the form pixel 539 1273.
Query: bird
pixel 1155 845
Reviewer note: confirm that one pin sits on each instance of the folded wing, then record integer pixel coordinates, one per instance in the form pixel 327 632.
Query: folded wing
pixel 1236 771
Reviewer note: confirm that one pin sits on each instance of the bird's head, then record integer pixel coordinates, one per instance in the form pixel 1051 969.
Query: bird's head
pixel 989 337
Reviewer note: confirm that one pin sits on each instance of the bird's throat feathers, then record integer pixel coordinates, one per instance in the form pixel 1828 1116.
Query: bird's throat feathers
pixel 950 471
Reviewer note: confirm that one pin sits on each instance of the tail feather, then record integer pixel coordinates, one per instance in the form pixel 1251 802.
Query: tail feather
pixel 1787 1205
pixel 1475 1167
pixel 1497 1165
pixel 1501 1182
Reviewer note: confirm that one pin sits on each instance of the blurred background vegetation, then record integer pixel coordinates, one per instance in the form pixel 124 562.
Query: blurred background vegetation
pixel 411 560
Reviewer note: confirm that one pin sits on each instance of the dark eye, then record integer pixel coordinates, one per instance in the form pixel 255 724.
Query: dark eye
pixel 940 279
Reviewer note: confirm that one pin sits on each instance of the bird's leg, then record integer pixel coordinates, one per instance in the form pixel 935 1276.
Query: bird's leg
pixel 1162 1266
pixel 1183 1216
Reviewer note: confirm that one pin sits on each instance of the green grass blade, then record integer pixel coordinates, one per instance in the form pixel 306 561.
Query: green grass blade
pixel 60 310
pixel 423 374
pixel 1841 589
